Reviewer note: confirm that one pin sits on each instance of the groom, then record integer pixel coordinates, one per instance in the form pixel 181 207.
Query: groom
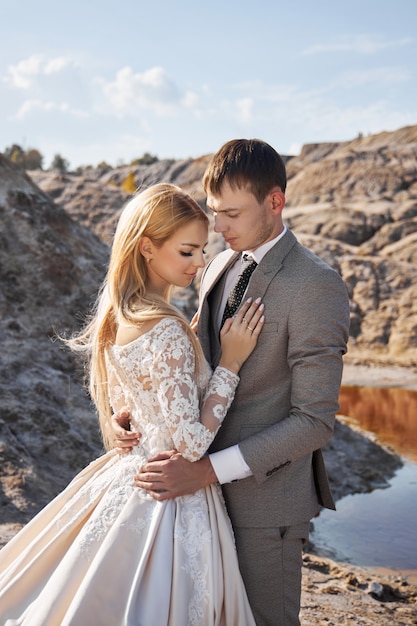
pixel 267 454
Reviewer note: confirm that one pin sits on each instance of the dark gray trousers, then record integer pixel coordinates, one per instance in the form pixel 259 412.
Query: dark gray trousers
pixel 271 563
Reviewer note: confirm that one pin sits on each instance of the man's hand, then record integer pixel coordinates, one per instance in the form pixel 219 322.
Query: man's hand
pixel 124 438
pixel 168 475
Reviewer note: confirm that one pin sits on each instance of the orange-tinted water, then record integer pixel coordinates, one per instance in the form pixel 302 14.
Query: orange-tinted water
pixel 389 413
pixel 378 529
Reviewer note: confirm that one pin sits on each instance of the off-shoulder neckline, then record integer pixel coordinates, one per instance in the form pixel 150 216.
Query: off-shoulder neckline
pixel 119 348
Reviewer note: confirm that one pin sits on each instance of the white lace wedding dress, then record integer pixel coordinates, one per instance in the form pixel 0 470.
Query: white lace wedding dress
pixel 103 552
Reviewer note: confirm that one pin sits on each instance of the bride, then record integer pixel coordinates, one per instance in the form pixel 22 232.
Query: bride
pixel 103 552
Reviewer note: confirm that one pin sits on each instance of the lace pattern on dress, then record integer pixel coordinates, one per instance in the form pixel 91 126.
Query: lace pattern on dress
pixel 115 495
pixel 154 376
pixel 194 536
pixel 157 374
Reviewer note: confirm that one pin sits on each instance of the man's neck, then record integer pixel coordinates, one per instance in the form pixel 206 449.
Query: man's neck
pixel 259 252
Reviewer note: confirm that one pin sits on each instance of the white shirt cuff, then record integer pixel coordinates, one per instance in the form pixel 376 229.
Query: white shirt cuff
pixel 229 465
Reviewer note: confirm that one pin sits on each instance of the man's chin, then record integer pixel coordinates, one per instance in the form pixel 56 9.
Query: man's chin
pixel 234 245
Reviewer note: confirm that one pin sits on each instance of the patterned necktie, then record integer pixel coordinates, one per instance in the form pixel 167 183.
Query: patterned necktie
pixel 239 288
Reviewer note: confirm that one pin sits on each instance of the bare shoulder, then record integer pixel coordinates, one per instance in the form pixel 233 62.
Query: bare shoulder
pixel 126 333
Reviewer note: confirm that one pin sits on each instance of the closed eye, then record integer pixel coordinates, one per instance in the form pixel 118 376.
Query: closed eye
pixel 183 253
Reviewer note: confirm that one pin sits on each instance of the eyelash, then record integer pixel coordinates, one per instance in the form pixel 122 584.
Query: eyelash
pixel 190 253
pixel 229 215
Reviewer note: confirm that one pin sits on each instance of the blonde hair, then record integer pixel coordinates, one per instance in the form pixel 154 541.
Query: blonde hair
pixel 156 213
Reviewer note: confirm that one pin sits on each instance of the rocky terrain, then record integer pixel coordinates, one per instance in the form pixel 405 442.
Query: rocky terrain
pixel 335 594
pixel 353 203
pixel 50 267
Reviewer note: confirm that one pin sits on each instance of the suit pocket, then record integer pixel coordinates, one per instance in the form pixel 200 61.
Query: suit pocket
pixel 249 430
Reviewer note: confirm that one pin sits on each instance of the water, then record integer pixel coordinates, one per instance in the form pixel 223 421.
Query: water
pixel 389 413
pixel 378 529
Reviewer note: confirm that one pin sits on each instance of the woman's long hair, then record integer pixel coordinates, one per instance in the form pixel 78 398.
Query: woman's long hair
pixel 157 213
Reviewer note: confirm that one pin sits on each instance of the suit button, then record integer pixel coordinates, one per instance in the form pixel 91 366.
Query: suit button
pixel 275 469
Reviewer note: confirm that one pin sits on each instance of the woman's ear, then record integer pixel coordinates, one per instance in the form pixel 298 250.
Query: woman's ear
pixel 146 248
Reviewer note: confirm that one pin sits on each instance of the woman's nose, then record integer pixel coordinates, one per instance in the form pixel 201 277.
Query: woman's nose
pixel 202 261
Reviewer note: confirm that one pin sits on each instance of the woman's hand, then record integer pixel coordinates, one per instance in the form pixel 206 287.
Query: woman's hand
pixel 240 333
pixel 124 438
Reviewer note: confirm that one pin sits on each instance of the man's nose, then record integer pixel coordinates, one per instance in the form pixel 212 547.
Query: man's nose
pixel 219 225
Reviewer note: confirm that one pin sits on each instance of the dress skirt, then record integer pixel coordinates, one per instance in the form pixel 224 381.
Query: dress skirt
pixel 104 553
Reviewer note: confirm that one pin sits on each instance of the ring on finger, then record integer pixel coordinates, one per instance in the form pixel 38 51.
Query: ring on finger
pixel 249 328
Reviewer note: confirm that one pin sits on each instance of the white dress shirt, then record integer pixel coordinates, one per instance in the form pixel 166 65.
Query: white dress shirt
pixel 229 464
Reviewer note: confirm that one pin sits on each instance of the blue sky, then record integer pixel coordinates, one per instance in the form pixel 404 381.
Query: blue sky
pixel 107 81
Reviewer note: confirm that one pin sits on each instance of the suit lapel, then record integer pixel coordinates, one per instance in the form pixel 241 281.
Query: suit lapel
pixel 213 284
pixel 270 265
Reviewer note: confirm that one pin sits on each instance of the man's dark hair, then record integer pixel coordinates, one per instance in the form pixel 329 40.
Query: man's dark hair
pixel 249 164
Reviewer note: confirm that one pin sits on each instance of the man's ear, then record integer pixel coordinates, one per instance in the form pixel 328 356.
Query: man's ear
pixel 277 198
pixel 146 248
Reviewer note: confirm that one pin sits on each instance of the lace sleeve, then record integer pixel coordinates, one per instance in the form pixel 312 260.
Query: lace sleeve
pixel 117 398
pixel 192 429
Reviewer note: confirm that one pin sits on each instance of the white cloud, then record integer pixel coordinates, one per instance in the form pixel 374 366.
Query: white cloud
pixel 30 106
pixel 60 86
pixel 23 74
pixel 130 111
pixel 361 44
pixel 152 89
pixel 45 86
pixel 56 65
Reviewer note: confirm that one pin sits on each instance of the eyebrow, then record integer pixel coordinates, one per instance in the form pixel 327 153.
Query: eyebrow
pixel 193 245
pixel 232 208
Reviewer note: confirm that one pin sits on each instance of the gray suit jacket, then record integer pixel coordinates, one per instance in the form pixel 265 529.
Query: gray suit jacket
pixel 285 404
